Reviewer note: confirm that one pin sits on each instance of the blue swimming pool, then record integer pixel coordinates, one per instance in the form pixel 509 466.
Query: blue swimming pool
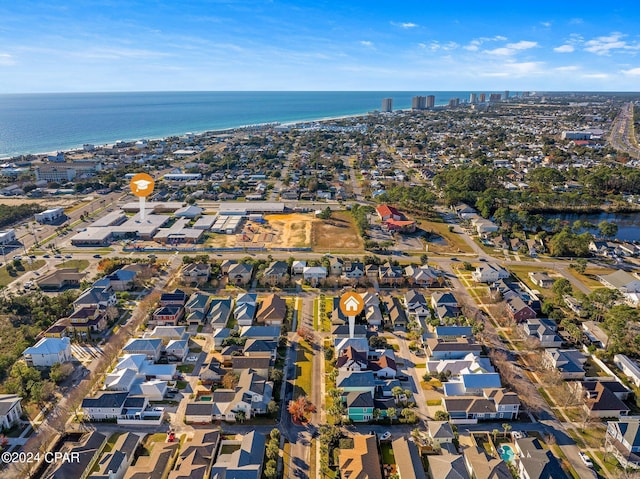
pixel 506 453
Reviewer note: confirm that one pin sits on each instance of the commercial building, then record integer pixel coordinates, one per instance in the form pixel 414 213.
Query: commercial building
pixel 419 103
pixel 387 105
pixel 7 236
pixel 49 216
pixel 431 101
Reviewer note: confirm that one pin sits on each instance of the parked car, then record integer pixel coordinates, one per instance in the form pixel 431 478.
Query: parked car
pixel 402 377
pixel 586 459
pixel 192 359
pixel 385 436
pixel 97 256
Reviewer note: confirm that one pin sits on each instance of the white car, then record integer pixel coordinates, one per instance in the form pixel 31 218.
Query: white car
pixel 586 459
pixel 385 436
pixel 192 359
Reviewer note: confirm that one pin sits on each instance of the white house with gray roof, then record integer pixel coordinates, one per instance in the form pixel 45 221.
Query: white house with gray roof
pixel 10 410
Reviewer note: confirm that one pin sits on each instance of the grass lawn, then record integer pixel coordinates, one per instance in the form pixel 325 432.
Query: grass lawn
pixel 589 278
pixel 326 320
pixel 522 273
pixel 303 369
pixel 79 264
pixel 611 463
pixel 185 368
pixel 112 440
pixel 387 453
pixel 181 384
pixel 316 312
pixel 150 440
pixel 6 278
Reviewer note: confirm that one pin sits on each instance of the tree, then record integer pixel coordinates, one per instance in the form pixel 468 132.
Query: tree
pixel 300 407
pixel 397 391
pixel 273 407
pixel 561 287
pixel 275 434
pixel 494 433
pixel 276 375
pixel 607 229
pixel 441 416
pixel 273 450
pixel 230 380
pixel 270 471
pixel 240 415
pixel 506 427
pixel 325 214
pixel 391 413
pixel 408 416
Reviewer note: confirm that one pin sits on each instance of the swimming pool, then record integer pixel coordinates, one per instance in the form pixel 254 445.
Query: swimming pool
pixel 506 453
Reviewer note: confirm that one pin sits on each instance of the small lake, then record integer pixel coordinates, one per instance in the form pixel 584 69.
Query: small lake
pixel 628 223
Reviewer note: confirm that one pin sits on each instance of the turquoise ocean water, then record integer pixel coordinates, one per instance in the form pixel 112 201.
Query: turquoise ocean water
pixel 38 123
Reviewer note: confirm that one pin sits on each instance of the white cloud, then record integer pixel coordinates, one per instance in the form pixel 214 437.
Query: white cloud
pixel 596 76
pixel 474 45
pixel 545 24
pixel 512 48
pixel 568 68
pixel 632 72
pixel 604 45
pixel 564 49
pixel 517 69
pixel 6 60
pixel 366 43
pixel 408 25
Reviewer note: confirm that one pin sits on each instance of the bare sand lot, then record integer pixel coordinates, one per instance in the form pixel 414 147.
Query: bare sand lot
pixel 44 202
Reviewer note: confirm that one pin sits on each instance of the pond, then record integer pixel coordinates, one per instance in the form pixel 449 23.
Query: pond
pixel 628 223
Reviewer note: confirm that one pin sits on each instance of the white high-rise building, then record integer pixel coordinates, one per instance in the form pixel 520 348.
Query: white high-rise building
pixel 473 98
pixel 387 105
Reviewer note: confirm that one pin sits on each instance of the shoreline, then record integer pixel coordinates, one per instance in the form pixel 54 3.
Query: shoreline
pixel 197 133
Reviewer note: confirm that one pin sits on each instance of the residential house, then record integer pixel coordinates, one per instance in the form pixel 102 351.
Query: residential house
pixel 438 349
pixel 260 332
pixel 297 267
pixel 167 316
pixel 352 360
pixel 383 365
pixel 491 405
pixel 422 276
pixel 518 310
pixel 440 432
pixel 259 364
pixel 95 297
pixel 372 271
pixel 543 330
pixel 337 316
pixel 358 381
pixel 47 352
pixel 251 396
pixel 276 273
pixel 444 299
pixel 244 462
pixel 603 398
pixel 198 412
pixel 541 279
pixel 623 441
pixel 363 460
pixel 416 304
pixel 342 331
pixel 629 367
pixel 245 310
pixel 407 458
pixel 197 456
pixel 219 312
pixel 177 348
pixel 627 283
pixel 455 367
pixel 114 464
pixel 85 451
pixel 569 362
pixel 447 466
pixel 196 309
pixel 574 305
pixel 167 333
pixel 60 279
pixel 157 465
pixel 359 406
pixel 85 320
pixel 240 274
pixel 471 383
pixel 10 410
pixel 488 273
pixel 373 315
pixel 273 311
pixel 390 275
pixel 212 373
pixel 106 405
pixel 353 270
pixel 595 333
pixel 177 298
pixel 119 280
pixel 152 348
pixel 397 315
pixel 452 333
pixel 335 266
pixel 196 273
pixel 314 274
pixel 482 465
pixel 536 462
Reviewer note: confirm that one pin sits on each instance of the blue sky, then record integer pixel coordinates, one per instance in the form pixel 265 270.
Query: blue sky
pixel 114 45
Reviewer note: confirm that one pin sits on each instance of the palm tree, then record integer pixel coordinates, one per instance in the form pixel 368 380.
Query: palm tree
pixel 495 434
pixel 507 427
pixel 391 413
pixel 241 416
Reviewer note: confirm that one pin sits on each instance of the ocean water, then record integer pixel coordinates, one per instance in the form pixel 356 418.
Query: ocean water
pixel 39 123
